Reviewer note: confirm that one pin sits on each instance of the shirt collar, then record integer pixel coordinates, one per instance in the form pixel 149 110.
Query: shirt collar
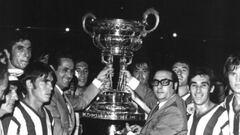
pixel 59 89
pixel 160 104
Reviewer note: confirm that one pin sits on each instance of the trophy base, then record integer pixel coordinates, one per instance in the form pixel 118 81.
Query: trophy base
pixel 106 127
pixel 106 115
pixel 114 105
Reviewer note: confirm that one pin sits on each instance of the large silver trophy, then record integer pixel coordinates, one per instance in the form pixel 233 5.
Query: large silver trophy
pixel 117 38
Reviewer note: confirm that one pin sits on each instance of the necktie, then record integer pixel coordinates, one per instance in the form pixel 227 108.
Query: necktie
pixel 67 103
pixel 71 114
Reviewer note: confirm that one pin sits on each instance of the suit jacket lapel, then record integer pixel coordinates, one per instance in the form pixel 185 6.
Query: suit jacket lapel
pixel 64 110
pixel 156 109
pixel 60 99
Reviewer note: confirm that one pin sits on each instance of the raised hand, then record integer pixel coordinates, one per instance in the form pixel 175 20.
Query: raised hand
pixel 103 75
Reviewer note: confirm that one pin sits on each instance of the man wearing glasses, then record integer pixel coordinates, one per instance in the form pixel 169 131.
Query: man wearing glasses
pixel 168 117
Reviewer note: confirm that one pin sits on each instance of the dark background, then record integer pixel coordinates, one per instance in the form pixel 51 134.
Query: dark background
pixel 208 30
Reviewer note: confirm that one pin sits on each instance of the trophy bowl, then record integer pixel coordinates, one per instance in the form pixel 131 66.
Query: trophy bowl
pixel 118 36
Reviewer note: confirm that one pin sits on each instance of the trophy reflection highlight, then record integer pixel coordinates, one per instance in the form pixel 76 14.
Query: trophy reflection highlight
pixel 117 38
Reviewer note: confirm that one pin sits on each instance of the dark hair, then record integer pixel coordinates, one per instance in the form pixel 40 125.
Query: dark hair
pixel 56 61
pixel 16 37
pixel 35 70
pixel 185 61
pixel 231 63
pixel 202 71
pixel 141 60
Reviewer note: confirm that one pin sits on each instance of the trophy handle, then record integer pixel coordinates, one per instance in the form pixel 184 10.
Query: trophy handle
pixel 145 17
pixel 85 17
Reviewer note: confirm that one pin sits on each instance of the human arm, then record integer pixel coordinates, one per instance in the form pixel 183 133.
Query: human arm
pixel 81 101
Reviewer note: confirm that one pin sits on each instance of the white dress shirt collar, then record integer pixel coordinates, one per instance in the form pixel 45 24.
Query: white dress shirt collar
pixel 59 89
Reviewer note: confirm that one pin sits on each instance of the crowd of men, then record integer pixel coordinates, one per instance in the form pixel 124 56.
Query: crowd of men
pixel 39 97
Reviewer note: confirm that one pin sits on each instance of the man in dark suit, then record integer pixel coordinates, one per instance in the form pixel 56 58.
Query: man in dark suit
pixel 168 117
pixel 61 107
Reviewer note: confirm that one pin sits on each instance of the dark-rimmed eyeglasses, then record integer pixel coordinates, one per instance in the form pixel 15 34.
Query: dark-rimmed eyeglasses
pixel 163 82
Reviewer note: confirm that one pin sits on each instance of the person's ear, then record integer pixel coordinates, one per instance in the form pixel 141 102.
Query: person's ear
pixel 212 89
pixel 29 84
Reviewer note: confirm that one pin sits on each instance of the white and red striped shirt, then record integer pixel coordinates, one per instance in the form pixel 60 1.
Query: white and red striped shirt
pixel 25 121
pixel 214 122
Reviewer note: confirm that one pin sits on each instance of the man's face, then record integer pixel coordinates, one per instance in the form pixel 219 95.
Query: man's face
pixel 21 54
pixel 200 89
pixel 163 85
pixel 182 71
pixel 141 72
pixel 234 79
pixel 11 98
pixel 43 88
pixel 64 72
pixel 3 86
pixel 81 72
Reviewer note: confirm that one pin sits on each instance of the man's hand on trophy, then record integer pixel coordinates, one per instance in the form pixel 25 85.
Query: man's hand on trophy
pixel 127 75
pixel 103 75
pixel 133 129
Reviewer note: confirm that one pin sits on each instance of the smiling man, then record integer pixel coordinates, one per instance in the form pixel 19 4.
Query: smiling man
pixel 81 72
pixel 208 118
pixel 62 108
pixel 30 116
